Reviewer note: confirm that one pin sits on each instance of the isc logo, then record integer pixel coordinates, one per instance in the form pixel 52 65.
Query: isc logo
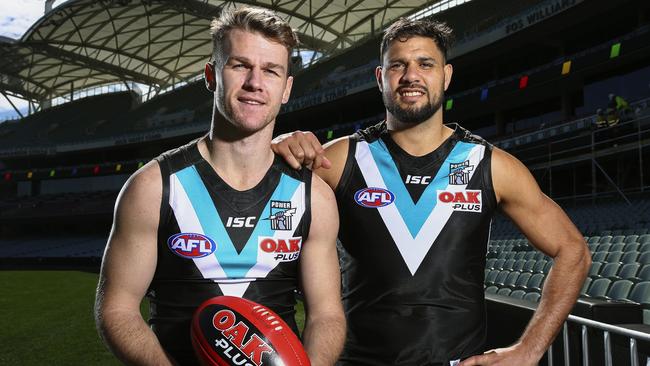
pixel 284 250
pixel 240 221
pixel 468 200
pixel 418 179
pixel 374 197
pixel 191 245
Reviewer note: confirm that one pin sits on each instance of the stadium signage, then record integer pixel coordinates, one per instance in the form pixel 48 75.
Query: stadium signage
pixel 233 346
pixel 191 245
pixel 539 13
pixel 373 197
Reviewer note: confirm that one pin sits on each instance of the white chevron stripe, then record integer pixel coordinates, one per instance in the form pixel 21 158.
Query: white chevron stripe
pixel 209 266
pixel 413 250
pixel 188 222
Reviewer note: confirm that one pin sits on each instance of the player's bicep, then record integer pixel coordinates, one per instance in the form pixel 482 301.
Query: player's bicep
pixel 539 218
pixel 130 258
pixel 319 266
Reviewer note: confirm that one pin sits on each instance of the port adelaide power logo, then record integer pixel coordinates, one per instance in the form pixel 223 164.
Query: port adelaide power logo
pixel 459 173
pixel 281 215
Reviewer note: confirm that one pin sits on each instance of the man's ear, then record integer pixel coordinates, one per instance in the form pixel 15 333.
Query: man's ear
pixel 449 70
pixel 379 78
pixel 210 83
pixel 287 90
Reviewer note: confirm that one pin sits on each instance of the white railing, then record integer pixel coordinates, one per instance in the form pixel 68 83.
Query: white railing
pixel 607 331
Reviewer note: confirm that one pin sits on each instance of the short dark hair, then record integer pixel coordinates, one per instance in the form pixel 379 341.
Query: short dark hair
pixel 251 19
pixel 404 28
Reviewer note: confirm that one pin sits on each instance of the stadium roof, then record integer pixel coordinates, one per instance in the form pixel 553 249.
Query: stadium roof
pixel 86 43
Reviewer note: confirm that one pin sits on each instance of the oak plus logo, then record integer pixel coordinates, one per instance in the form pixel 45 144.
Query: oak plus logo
pixel 282 250
pixel 468 200
pixel 239 343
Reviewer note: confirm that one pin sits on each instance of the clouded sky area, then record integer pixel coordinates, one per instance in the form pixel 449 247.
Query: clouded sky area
pixel 16 16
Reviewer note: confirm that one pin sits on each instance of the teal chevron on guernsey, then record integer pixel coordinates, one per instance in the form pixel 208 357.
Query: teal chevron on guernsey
pixel 235 265
pixel 415 214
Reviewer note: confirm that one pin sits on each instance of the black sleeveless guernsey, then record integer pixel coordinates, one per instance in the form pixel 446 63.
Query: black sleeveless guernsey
pixel 214 240
pixel 414 234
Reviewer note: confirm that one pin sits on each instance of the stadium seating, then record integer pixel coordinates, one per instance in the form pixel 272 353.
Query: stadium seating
pixel 599 287
pixel 620 270
pixel 67 122
pixel 641 294
pixel 69 247
pixel 620 290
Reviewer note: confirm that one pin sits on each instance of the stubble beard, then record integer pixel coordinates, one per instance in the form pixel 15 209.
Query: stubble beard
pixel 236 121
pixel 412 115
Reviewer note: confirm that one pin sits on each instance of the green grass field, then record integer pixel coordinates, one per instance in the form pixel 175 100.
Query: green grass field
pixel 46 317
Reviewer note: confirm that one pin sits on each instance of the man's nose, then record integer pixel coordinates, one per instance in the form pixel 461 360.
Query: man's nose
pixel 254 80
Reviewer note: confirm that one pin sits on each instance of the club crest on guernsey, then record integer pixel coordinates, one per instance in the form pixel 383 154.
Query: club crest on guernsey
pixel 459 173
pixel 281 215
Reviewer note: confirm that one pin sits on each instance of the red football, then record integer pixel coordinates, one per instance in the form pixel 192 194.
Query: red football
pixel 228 330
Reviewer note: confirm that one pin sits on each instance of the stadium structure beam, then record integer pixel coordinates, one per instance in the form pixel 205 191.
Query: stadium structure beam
pixel 384 9
pixel 313 43
pixel 24 92
pixel 94 64
pixel 310 20
pixel 19 91
pixel 12 104
pixel 127 56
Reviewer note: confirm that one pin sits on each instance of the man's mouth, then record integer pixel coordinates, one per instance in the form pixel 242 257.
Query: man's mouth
pixel 410 92
pixel 251 101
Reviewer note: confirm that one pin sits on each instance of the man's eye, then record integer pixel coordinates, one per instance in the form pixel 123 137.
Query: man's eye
pixel 271 72
pixel 426 65
pixel 396 66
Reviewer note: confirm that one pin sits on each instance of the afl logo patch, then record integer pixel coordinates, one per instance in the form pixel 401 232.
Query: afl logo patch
pixel 191 245
pixel 374 197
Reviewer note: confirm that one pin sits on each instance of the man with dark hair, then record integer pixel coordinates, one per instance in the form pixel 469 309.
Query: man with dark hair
pixel 416 199
pixel 223 216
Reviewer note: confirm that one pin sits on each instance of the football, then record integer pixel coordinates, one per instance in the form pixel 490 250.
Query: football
pixel 228 330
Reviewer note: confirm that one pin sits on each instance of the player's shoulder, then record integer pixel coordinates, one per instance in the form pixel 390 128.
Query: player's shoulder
pixel 138 203
pixel 144 185
pixel 320 187
pixel 324 201
pixel 370 133
pixel 179 158
pixel 467 136
pixel 502 160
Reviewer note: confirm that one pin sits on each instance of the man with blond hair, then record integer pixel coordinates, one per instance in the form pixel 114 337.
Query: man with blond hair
pixel 202 220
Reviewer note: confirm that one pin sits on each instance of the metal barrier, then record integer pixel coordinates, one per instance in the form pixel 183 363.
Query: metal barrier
pixel 607 329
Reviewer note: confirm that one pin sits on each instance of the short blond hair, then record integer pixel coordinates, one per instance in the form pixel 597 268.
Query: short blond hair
pixel 251 19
